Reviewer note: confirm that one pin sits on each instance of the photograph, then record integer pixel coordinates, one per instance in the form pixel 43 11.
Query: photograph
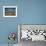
pixel 9 11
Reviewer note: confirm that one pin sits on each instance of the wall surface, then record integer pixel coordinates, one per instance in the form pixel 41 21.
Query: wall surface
pixel 29 12
pixel 7 25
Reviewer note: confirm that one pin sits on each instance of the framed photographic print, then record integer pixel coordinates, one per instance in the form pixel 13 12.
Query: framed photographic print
pixel 9 11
